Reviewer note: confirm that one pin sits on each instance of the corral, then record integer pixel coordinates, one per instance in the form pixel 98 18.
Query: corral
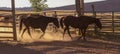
pixel 110 20
pixel 105 41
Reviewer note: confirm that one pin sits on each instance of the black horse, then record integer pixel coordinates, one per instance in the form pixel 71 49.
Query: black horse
pixel 39 22
pixel 81 22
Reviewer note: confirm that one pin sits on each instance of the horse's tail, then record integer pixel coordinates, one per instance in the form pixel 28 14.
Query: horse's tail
pixel 61 22
pixel 21 21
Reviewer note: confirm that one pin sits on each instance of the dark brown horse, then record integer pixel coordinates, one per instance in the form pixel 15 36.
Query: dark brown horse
pixel 81 22
pixel 39 22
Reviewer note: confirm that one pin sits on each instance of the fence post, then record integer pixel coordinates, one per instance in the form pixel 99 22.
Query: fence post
pixel 55 13
pixel 75 14
pixel 44 13
pixel 14 20
pixel 94 15
pixel 93 10
pixel 79 7
pixel 113 29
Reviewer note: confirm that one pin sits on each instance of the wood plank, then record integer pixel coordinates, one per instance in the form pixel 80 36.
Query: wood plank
pixel 5 32
pixel 5 37
pixel 7 21
pixel 6 26
pixel 6 10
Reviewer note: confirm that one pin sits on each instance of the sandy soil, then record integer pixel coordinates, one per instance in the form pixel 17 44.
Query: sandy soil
pixel 53 43
pixel 60 47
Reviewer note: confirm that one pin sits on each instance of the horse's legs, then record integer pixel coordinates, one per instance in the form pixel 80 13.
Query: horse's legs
pixel 29 32
pixel 80 30
pixel 43 30
pixel 84 31
pixel 23 32
pixel 42 35
pixel 54 28
pixel 69 32
pixel 64 32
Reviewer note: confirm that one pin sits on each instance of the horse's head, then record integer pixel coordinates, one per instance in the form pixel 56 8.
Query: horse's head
pixel 56 22
pixel 98 23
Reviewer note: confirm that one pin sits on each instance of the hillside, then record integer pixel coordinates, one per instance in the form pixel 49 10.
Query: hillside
pixel 107 5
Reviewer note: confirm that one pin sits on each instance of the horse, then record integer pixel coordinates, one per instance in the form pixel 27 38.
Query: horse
pixel 39 22
pixel 80 22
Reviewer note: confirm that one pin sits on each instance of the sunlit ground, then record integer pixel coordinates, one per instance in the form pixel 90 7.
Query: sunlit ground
pixel 49 36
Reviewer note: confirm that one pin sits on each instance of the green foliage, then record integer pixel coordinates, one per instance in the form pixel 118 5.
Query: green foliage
pixel 38 5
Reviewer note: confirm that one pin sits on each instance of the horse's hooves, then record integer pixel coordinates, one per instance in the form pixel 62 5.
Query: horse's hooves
pixel 79 38
pixel 74 39
pixel 85 40
pixel 40 37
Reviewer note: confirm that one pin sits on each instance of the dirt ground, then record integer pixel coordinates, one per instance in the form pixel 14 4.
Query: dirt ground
pixel 53 43
pixel 60 46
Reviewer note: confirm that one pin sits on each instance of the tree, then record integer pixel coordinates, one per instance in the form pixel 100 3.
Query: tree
pixel 38 5
pixel 80 7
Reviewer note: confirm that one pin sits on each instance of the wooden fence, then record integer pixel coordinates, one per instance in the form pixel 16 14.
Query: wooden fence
pixel 110 21
pixel 7 27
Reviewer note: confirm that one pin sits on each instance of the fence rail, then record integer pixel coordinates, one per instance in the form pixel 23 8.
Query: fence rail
pixel 6 29
pixel 6 10
pixel 110 20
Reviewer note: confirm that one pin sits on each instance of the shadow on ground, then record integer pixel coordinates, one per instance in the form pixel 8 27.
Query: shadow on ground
pixel 61 47
pixel 12 49
pixel 95 44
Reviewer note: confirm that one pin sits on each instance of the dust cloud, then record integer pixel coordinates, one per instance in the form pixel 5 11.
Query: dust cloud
pixel 49 36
